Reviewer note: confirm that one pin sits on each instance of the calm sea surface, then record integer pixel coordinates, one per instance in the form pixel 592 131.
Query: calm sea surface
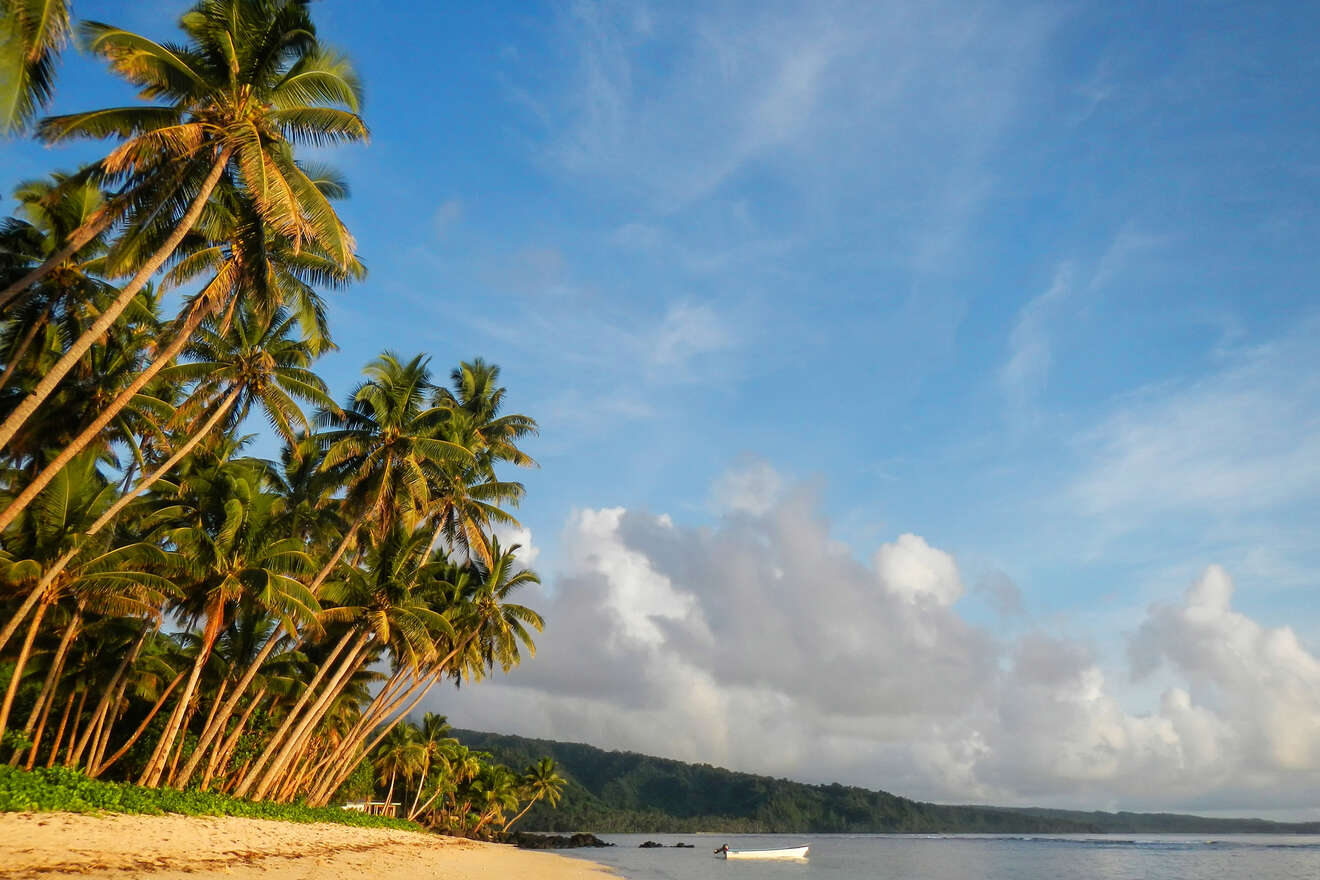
pixel 971 857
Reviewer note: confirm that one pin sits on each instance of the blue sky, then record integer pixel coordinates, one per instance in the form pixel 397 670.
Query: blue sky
pixel 1034 282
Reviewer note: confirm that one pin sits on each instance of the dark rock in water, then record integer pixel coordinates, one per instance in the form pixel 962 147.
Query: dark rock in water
pixel 527 840
pixel 651 844
pixel 681 845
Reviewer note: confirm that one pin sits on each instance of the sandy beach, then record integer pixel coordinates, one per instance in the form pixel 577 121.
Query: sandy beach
pixel 36 845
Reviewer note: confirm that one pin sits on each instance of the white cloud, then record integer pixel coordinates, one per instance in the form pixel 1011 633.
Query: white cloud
pixel 763 643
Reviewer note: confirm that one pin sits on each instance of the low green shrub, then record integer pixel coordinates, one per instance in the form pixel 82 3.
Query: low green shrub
pixel 59 788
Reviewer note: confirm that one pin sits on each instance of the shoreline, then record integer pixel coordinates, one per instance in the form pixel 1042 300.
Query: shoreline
pixel 173 847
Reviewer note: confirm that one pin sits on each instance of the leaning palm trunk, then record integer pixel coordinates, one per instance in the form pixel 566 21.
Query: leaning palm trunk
pixel 220 756
pixel 30 404
pixel 351 663
pixel 99 222
pixel 151 775
pixel 32 599
pixel 220 719
pixel 94 430
pixel 108 698
pixel 98 767
pixel 64 720
pixel 16 356
pixel 335 557
pixel 530 804
pixel 252 776
pixel 417 691
pixel 36 722
pixel 23 654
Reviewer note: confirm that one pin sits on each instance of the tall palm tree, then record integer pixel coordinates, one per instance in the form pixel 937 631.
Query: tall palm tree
pixel 251 82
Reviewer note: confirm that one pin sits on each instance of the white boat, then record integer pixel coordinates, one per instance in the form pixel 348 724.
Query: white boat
pixel 792 852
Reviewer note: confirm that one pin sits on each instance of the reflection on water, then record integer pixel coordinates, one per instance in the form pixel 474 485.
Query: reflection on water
pixel 971 857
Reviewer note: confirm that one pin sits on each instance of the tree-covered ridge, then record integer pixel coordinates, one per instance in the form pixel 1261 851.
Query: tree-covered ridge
pixel 177 612
pixel 629 792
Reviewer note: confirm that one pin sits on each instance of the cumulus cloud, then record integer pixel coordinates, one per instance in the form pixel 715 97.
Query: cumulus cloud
pixel 762 643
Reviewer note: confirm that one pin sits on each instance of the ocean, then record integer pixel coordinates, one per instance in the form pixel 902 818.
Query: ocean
pixel 970 857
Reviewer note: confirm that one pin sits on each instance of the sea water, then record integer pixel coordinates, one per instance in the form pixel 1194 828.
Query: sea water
pixel 970 857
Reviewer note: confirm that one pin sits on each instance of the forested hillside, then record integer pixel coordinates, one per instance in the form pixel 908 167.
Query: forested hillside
pixel 625 791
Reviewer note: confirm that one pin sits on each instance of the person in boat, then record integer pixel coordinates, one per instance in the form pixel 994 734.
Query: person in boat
pixel 724 849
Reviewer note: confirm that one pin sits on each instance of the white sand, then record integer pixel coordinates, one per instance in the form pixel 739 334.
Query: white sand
pixel 39 845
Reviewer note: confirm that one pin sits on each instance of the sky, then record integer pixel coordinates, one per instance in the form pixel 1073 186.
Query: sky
pixel 928 391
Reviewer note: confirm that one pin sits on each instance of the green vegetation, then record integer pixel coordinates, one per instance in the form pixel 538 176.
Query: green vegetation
pixel 175 611
pixel 627 792
pixel 60 788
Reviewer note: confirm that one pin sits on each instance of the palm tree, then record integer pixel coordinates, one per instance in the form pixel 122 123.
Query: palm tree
pixel 384 602
pixel 482 628
pixel 542 782
pixel 117 580
pixel 222 523
pixel 32 32
pixel 251 82
pixel 383 443
pixel 263 271
pixel 51 211
pixel 494 630
pixel 400 754
pixel 497 791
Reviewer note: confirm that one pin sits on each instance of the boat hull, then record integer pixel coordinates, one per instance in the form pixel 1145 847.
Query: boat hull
pixel 796 852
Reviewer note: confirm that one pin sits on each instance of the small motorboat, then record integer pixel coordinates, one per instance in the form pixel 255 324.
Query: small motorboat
pixel 792 852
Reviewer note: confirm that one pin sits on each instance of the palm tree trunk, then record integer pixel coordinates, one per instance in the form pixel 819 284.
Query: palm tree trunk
pixel 290 719
pixel 36 721
pixel 155 768
pixel 12 625
pixel 59 732
pixel 421 781
pixel 349 746
pixel 197 751
pixel 108 698
pixel 220 756
pixel 217 725
pixel 28 494
pixel 352 661
pixel 509 824
pixel 334 557
pixel 24 410
pixel 93 431
pixel 97 768
pixel 390 793
pixel 96 224
pixel 19 664
pixel 420 688
pixel 344 749
pixel 417 811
